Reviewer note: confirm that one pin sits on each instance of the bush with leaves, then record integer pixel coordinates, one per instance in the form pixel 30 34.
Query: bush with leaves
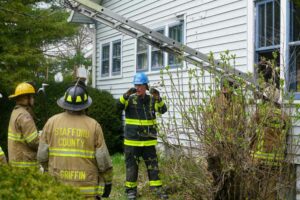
pixel 202 127
pixel 17 183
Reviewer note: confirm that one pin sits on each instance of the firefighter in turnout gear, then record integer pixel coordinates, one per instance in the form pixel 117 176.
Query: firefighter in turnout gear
pixel 72 147
pixel 268 142
pixel 223 121
pixel 22 133
pixel 141 134
pixel 270 125
pixel 2 155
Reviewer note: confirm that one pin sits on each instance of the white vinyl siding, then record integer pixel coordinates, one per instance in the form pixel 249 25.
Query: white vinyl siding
pixel 209 25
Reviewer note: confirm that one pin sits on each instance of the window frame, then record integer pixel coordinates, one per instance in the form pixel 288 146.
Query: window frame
pixel 110 73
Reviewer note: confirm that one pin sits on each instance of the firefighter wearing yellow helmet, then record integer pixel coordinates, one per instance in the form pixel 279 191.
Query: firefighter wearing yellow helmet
pixel 73 148
pixel 22 132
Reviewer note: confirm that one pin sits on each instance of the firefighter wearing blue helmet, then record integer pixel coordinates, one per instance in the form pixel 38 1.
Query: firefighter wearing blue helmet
pixel 141 134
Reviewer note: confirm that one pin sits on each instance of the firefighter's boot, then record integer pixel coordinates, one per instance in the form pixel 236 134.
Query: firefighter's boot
pixel 131 194
pixel 159 192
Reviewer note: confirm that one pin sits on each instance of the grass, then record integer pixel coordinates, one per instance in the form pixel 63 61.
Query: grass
pixel 118 190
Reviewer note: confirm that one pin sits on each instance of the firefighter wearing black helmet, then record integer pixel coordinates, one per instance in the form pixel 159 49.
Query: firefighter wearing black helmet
pixel 72 147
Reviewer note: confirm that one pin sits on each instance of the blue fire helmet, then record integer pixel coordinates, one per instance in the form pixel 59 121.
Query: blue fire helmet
pixel 140 79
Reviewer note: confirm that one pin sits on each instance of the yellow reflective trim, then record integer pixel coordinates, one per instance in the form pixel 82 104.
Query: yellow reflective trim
pixel 160 104
pixel 92 190
pixel 31 137
pixel 85 97
pixel 15 137
pixel 131 184
pixel 156 183
pixel 140 122
pixel 1 153
pixel 122 100
pixel 100 190
pixel 78 99
pixel 140 143
pixel 77 153
pixel 23 164
pixel 69 98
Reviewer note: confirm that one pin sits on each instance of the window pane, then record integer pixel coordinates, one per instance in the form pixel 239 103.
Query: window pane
pixel 157 56
pixel 277 23
pixel 266 69
pixel 157 59
pixel 295 22
pixel 268 19
pixel 142 56
pixel 116 69
pixel 261 25
pixel 269 25
pixel 176 33
pixel 105 60
pixel 294 71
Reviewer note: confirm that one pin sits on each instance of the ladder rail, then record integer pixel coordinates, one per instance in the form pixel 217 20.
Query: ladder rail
pixel 160 41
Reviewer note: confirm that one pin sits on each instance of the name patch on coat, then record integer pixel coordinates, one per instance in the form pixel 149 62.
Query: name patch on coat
pixel 72 175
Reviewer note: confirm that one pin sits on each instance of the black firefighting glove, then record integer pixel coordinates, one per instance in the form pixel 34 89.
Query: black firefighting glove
pixel 155 94
pixel 129 92
pixel 107 190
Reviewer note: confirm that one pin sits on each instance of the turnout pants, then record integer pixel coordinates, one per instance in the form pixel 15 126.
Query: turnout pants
pixel 132 158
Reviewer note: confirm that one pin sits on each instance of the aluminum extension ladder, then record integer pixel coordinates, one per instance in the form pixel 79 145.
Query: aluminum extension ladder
pixel 99 13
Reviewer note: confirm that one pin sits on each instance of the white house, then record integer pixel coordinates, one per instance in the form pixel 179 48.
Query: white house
pixel 247 28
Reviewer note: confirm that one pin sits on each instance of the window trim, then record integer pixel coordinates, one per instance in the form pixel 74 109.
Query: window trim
pixel 111 74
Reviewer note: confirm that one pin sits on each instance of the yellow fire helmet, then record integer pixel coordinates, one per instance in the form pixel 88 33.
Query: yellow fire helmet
pixel 21 89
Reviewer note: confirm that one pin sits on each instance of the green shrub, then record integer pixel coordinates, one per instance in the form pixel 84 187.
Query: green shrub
pixel 28 184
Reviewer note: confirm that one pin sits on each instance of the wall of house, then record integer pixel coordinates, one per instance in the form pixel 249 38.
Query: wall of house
pixel 210 25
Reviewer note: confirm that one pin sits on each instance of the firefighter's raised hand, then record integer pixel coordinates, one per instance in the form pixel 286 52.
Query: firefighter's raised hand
pixel 107 190
pixel 129 92
pixel 155 94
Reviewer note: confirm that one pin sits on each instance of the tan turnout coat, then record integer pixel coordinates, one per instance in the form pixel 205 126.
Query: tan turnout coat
pixel 22 138
pixel 74 149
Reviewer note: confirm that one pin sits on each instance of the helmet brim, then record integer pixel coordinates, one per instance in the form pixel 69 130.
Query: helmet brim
pixel 17 95
pixel 67 106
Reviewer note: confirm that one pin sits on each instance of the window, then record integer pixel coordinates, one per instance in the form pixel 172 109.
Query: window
pixel 155 58
pixel 294 49
pixel 105 60
pixel 267 33
pixel 111 58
